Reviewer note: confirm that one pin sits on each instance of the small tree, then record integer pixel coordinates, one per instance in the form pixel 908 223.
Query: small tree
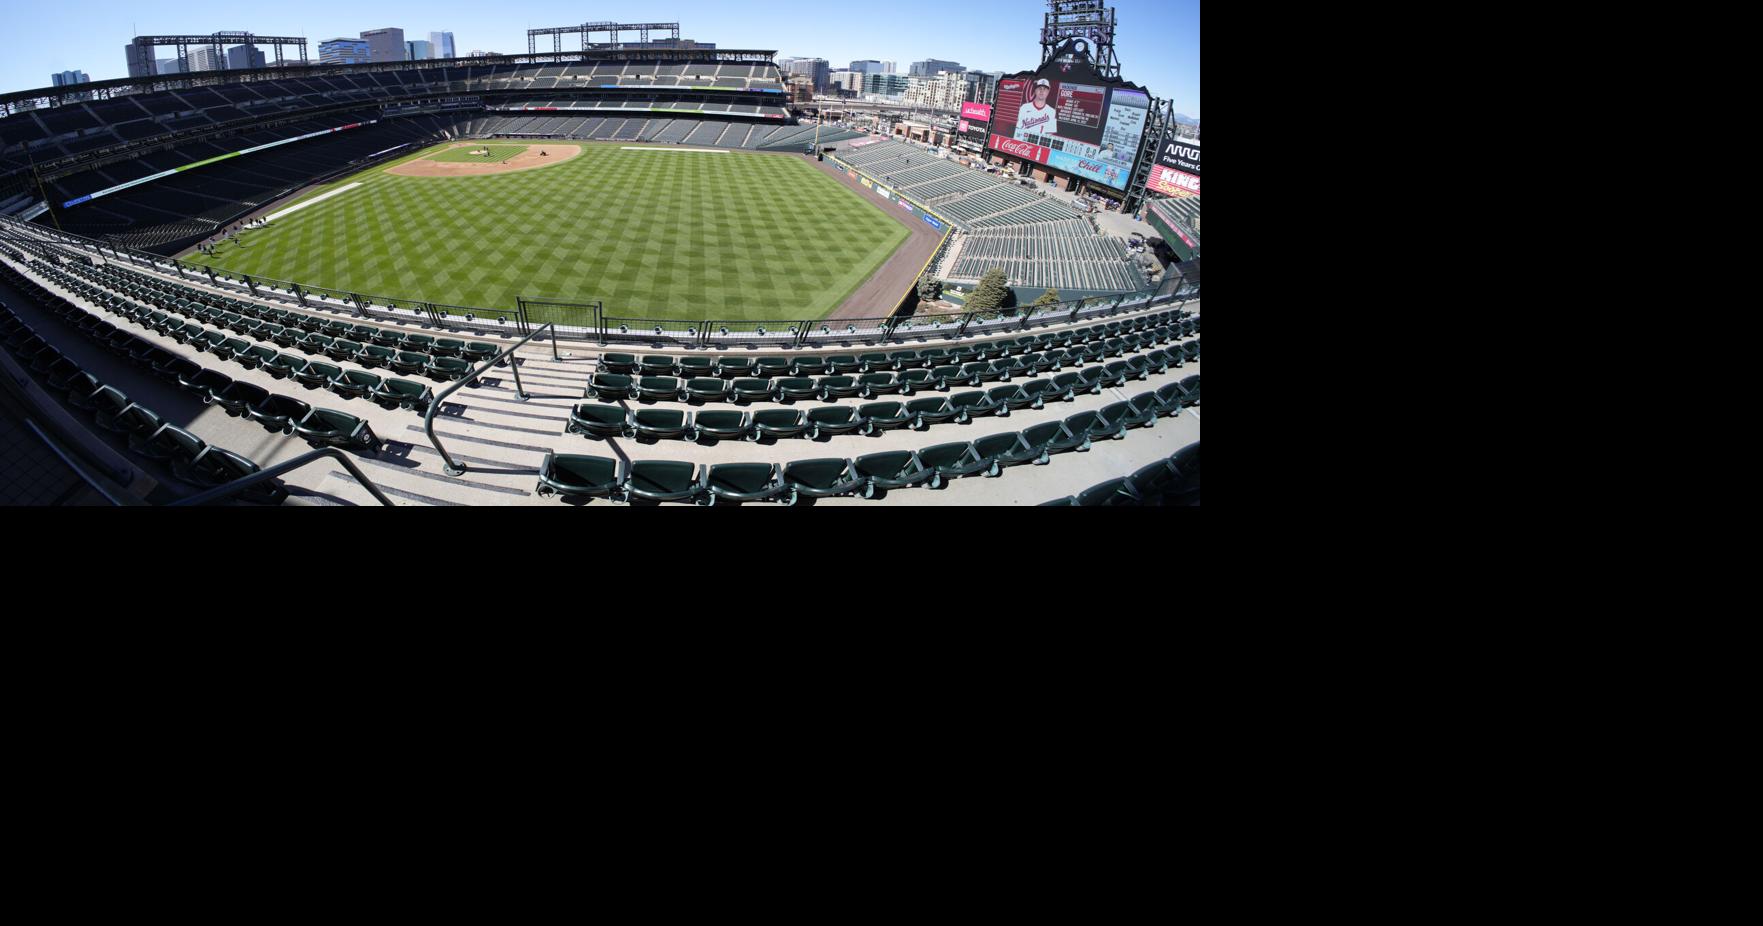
pixel 990 294
pixel 1049 297
pixel 930 289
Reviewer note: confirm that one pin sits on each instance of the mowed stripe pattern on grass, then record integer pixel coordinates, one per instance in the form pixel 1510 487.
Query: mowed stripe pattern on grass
pixel 463 155
pixel 736 237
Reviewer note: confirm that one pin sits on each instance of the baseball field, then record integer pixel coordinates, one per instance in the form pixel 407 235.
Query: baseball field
pixel 653 233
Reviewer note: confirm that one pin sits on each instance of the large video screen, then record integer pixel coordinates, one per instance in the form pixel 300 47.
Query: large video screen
pixel 1083 128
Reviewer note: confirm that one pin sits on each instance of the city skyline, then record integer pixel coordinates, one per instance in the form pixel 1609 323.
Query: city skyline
pixel 1158 43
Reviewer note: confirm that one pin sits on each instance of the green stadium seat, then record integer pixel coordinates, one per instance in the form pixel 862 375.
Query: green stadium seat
pixel 622 364
pixel 611 387
pixel 1037 363
pixel 772 367
pixel 1170 399
pixel 743 482
pixel 409 363
pixel 884 416
pixel 832 419
pixel 662 424
pixel 354 384
pixel 1001 450
pixel 317 375
pixel 873 384
pixel 577 476
pixel 874 363
pixel 315 343
pixel 446 369
pixel 839 364
pixel 1122 370
pixel 718 425
pixel 402 393
pixel 363 334
pixel 1047 438
pixel 797 389
pixel 285 337
pixel 171 442
pixel 62 375
pixel 750 389
pixel 833 388
pixel 734 367
pixel 658 389
pixel 1004 398
pixel 204 342
pixel 231 348
pixel 239 398
pixel 808 366
pixel 1097 378
pixel 1035 393
pixel 217 466
pixel 658 366
pixel 1007 368
pixel 893 469
pixel 1153 481
pixel 951 461
pixel 971 405
pixel 417 343
pixel 596 420
pixel 778 423
pixel 278 412
pixel 1186 463
pixel 913 380
pixel 697 366
pixel 706 389
pixel 387 337
pixel 327 427
pixel 373 355
pixel 823 478
pixel 447 347
pixel 931 410
pixel 1094 427
pixel 979 372
pixel 934 356
pixel 1115 493
pixel 960 356
pixel 335 328
pixel 283 366
pixel 342 349
pixel 1191 388
pixel 476 352
pixel 904 360
pixel 663 481
pixel 947 375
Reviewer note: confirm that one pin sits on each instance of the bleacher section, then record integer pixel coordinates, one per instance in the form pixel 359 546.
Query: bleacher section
pixel 1064 256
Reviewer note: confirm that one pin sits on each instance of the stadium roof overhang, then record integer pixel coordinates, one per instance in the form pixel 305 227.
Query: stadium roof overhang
pixel 104 89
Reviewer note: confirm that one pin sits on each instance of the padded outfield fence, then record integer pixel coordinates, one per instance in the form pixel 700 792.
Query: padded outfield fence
pixel 589 321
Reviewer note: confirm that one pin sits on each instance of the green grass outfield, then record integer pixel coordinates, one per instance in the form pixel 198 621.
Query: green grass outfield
pixel 653 234
pixel 498 154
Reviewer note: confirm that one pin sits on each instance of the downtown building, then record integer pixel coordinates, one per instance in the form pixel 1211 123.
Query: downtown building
pixel 344 51
pixel 385 45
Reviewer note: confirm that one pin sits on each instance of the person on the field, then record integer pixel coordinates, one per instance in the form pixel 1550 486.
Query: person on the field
pixel 1038 117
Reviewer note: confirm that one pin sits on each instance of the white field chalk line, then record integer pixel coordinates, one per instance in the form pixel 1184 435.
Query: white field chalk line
pixel 312 202
pixel 704 150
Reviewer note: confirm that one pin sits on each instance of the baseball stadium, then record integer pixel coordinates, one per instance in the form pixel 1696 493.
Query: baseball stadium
pixel 634 274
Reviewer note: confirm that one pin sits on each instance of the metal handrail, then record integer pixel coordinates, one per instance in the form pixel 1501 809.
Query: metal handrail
pixel 234 488
pixel 428 419
pixel 100 484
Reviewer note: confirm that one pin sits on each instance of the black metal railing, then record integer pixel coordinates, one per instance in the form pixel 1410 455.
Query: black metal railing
pixel 237 486
pixel 453 468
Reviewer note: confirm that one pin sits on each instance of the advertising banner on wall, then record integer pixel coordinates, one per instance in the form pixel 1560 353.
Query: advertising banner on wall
pixel 976 112
pixel 1067 117
pixel 1178 168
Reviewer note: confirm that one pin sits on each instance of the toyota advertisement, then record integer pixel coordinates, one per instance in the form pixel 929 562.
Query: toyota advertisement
pixel 1088 129
pixel 1178 168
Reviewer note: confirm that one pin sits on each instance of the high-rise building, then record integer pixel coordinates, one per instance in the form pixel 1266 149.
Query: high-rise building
pixel 418 50
pixel 890 67
pixel 202 59
pixel 244 58
pixel 344 51
pixel 69 79
pixel 846 81
pixel 982 86
pixel 931 67
pixel 170 66
pixel 141 61
pixel 443 42
pixel 815 69
pixel 866 67
pixel 385 45
pixel 891 85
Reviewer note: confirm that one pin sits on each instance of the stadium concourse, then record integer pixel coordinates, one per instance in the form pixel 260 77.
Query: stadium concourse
pixel 152 383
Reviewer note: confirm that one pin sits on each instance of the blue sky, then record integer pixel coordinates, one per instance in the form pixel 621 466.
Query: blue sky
pixel 1158 45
